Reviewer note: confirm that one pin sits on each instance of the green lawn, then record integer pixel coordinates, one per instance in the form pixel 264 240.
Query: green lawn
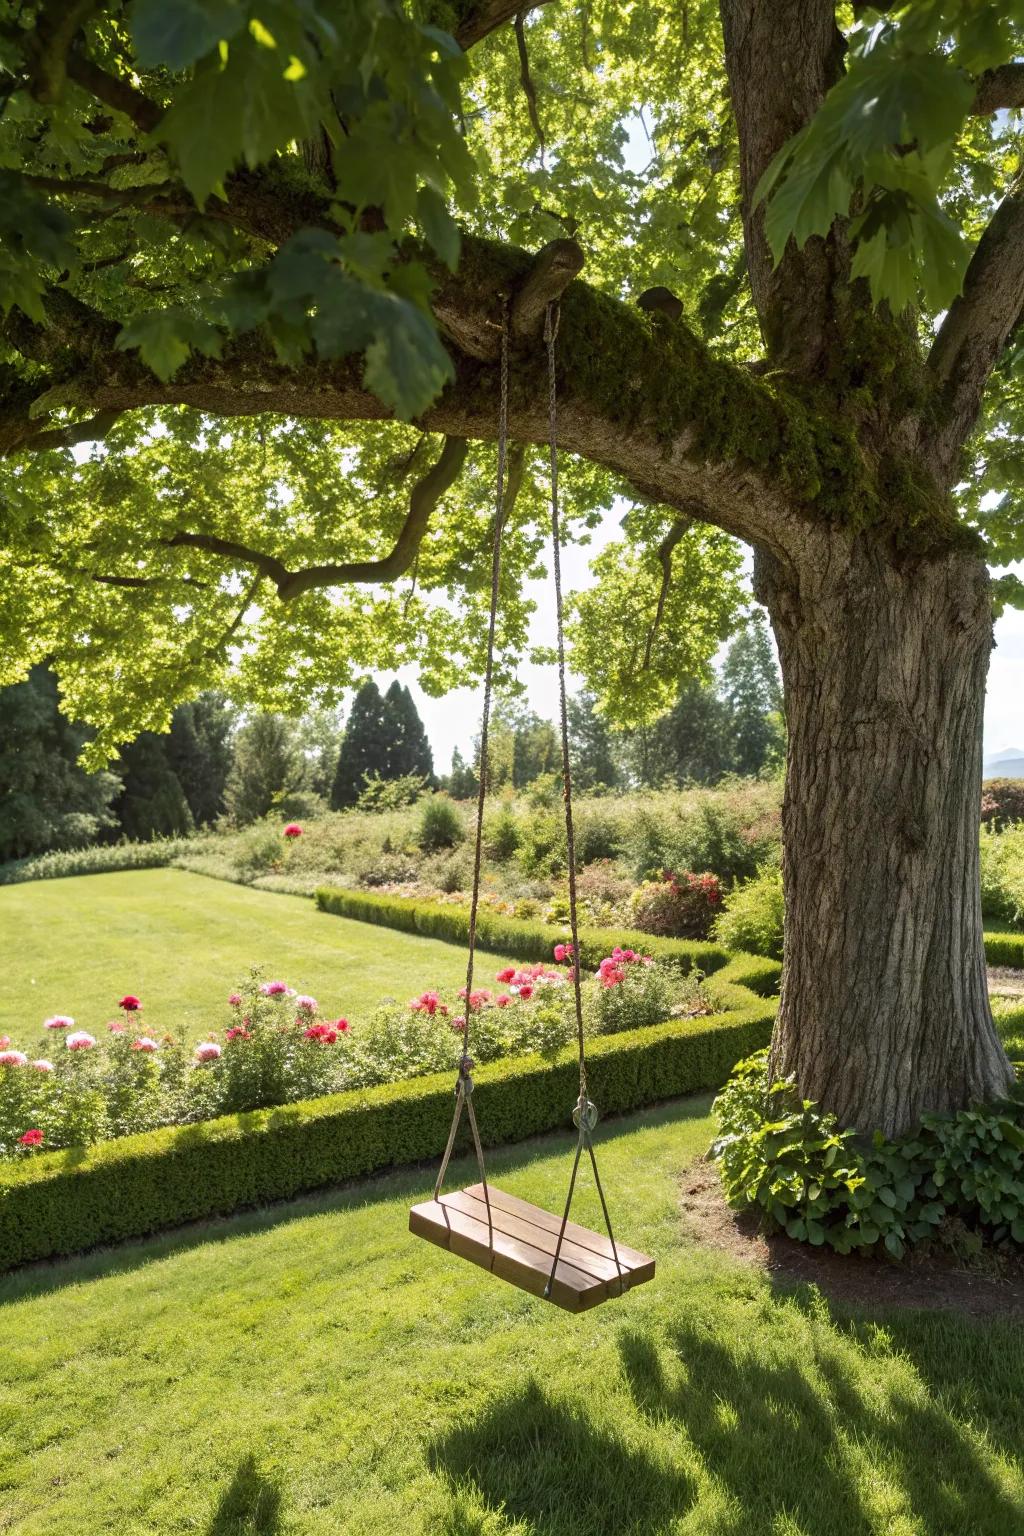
pixel 181 942
pixel 314 1369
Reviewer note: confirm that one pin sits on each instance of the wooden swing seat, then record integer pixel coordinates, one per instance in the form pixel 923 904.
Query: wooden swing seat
pixel 520 1246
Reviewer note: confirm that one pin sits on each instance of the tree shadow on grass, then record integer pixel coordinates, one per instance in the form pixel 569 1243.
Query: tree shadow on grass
pixel 249 1506
pixel 528 1457
pixel 804 1447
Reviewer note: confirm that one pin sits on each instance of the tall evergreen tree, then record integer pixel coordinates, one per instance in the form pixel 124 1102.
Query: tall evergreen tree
pixel 693 743
pixel 152 802
pixel 267 766
pixel 751 688
pixel 594 754
pixel 365 748
pixel 46 799
pixel 199 751
pixel 408 748
pixel 461 782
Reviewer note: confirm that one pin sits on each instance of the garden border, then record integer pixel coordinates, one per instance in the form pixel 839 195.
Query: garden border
pixel 59 1203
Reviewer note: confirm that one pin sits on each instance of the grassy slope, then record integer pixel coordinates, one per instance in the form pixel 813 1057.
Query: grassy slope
pixel 181 942
pixel 313 1369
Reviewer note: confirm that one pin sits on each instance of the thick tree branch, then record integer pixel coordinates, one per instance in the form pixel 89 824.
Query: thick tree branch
pixel 999 89
pixel 425 495
pixel 476 19
pixel 551 273
pixel 665 549
pixel 978 324
pixel 782 56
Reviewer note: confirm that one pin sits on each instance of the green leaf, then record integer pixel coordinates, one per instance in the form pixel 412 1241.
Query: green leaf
pixel 438 225
pixel 165 339
pixel 175 33
pixel 406 365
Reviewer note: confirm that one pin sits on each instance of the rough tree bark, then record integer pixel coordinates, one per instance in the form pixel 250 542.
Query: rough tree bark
pixel 884 1008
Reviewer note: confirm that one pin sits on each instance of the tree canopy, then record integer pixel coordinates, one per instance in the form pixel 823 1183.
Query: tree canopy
pixel 242 243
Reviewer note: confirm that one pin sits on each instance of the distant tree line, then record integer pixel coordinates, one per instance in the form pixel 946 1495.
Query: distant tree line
pixel 216 764
pixel 213 764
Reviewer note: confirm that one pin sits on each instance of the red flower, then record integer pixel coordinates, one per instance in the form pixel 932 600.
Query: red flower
pixel 563 952
pixel 341 1025
pixel 237 1032
pixel 31 1139
pixel 506 975
pixel 130 1003
pixel 293 829
pixel 503 1000
pixel 526 992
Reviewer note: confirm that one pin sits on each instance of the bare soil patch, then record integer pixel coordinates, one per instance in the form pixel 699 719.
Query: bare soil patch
pixel 930 1281
pixel 1005 981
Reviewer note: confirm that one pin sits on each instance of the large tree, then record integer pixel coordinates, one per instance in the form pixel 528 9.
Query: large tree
pixel 247 208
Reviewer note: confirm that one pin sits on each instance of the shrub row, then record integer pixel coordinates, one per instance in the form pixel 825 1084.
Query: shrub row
pixel 1005 949
pixel 65 1202
pixel 510 935
pixel 97 860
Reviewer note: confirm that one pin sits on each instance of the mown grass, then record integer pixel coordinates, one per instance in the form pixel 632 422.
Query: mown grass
pixel 182 942
pixel 314 1369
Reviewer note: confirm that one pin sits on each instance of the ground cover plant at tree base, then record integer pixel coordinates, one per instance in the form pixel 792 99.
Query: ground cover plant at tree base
pixel 956 1178
pixel 287 1320
pixel 290 311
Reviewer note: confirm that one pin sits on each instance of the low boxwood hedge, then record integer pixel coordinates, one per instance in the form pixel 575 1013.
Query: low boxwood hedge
pixel 510 935
pixel 65 1202
pixel 1005 949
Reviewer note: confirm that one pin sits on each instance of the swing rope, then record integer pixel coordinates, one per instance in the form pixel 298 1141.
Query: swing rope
pixel 585 1113
pixel 464 1082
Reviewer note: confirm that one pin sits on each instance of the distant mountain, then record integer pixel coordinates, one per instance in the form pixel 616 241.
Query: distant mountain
pixel 1005 765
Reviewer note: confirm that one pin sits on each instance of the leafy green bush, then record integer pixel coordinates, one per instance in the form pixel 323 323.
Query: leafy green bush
pixel 440 824
pixel 261 847
pixel 1002 873
pixel 502 835
pixel 390 794
pixel 752 915
pixel 52 1204
pixel 821 1184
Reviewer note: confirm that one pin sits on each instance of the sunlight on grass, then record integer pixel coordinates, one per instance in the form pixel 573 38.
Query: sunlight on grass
pixel 315 1369
pixel 182 942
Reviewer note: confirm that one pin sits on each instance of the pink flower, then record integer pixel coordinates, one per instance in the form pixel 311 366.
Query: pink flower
pixel 59 1021
pixel 31 1139
pixel 13 1059
pixel 237 1032
pixel 207 1050
pixel 41 1065
pixel 503 1000
pixel 274 988
pixel 477 997
pixel 563 952
pixel 80 1041
pixel 5 1041
pixel 508 974
pixel 130 1003
pixel 144 1043
pixel 306 1004
pixel 116 1027
pixel 342 1026
pixel 430 1002
pixel 458 1024
pixel 293 829
pixel 235 1000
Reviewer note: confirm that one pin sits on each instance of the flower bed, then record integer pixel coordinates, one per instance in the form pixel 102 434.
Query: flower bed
pixel 56 1203
pixel 73 1089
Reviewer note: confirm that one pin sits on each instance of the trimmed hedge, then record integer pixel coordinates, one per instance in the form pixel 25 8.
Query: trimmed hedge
pixel 65 1202
pixel 1005 949
pixel 509 935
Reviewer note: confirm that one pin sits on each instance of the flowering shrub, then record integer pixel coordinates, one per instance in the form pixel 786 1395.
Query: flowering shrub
pixel 293 830
pixel 277 1048
pixel 677 906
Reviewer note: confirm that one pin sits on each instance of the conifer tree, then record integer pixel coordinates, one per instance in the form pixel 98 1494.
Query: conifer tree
pixel 750 687
pixel 152 802
pixel 365 748
pixel 199 751
pixel 408 748
pixel 267 766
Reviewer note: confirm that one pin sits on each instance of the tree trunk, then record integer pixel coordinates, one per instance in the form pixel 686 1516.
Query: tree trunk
pixel 884 1010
